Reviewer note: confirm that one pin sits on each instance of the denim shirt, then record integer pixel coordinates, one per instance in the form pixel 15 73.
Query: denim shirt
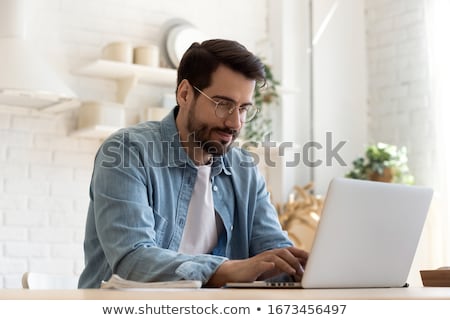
pixel 139 197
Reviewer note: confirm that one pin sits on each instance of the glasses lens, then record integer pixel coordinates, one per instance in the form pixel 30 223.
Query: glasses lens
pixel 250 114
pixel 224 109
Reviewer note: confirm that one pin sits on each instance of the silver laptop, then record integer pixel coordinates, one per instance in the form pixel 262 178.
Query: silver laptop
pixel 366 238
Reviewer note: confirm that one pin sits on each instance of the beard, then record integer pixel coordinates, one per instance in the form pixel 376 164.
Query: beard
pixel 200 136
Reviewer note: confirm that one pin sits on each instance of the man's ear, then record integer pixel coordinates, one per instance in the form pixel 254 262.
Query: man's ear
pixel 184 93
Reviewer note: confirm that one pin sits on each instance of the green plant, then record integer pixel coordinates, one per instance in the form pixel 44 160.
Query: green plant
pixel 264 96
pixel 383 162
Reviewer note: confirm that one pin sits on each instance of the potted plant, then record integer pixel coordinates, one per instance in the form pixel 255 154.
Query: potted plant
pixel 264 96
pixel 382 162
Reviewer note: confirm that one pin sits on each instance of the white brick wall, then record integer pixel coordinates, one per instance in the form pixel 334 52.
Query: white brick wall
pixel 44 177
pixel 399 103
pixel 45 172
pixel 399 109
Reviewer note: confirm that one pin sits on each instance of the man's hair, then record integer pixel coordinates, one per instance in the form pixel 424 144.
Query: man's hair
pixel 202 59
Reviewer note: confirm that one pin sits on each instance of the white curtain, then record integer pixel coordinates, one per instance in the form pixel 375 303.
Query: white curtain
pixel 438 27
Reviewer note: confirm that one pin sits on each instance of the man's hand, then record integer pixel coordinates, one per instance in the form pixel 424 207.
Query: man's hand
pixel 265 265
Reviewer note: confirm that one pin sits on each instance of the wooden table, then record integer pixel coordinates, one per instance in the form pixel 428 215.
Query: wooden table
pixel 414 293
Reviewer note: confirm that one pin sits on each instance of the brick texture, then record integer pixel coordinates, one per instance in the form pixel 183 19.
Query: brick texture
pixel 399 109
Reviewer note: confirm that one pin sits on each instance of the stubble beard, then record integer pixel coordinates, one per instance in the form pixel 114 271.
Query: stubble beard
pixel 199 136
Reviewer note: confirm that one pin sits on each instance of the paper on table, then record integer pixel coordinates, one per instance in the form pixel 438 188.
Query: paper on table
pixel 117 282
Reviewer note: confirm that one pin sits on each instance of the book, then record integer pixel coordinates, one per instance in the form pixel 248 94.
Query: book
pixel 117 282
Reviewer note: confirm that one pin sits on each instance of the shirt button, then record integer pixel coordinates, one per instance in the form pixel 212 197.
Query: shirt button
pixel 215 188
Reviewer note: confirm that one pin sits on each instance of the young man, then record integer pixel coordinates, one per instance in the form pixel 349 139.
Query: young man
pixel 172 200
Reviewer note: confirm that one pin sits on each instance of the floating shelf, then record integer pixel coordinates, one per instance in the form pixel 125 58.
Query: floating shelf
pixel 128 75
pixel 118 70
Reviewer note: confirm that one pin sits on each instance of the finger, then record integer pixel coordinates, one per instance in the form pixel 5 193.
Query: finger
pixel 292 260
pixel 299 253
pixel 304 263
pixel 286 263
pixel 269 274
pixel 263 267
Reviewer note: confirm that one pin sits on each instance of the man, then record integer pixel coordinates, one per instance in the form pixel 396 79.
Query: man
pixel 172 200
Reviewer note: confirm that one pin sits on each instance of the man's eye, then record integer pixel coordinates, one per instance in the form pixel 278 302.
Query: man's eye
pixel 226 104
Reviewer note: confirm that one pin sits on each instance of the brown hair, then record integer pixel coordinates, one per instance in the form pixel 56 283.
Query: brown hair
pixel 202 59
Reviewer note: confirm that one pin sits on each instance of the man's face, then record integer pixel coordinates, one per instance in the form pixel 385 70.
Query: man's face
pixel 213 134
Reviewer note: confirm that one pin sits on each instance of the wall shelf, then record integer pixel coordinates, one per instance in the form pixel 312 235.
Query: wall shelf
pixel 128 75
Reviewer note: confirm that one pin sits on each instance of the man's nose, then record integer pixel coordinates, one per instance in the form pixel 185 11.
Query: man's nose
pixel 233 120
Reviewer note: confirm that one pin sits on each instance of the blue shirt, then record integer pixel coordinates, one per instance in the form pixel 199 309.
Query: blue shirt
pixel 139 197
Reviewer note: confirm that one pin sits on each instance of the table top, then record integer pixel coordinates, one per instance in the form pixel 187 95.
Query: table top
pixel 416 293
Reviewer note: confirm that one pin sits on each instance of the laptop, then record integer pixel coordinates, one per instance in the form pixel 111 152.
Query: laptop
pixel 366 238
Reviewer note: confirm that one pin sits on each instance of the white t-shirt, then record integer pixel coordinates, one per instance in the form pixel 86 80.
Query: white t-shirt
pixel 201 229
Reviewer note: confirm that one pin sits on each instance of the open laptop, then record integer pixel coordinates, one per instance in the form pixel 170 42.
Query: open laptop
pixel 366 238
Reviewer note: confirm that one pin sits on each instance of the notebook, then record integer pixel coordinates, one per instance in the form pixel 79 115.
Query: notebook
pixel 366 238
pixel 117 282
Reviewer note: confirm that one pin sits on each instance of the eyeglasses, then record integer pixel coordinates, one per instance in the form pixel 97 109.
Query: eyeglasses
pixel 225 108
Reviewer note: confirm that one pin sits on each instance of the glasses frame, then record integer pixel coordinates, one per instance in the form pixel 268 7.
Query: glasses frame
pixel 230 110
